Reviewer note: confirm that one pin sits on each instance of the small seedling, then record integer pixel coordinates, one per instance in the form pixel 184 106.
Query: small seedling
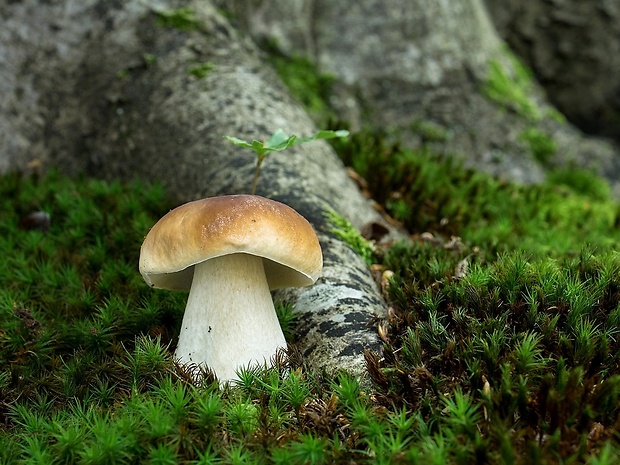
pixel 276 143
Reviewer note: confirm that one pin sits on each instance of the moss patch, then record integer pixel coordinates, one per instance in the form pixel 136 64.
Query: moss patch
pixel 310 87
pixel 183 19
pixel 497 349
pixel 504 308
pixel 344 230
pixel 434 193
pixel 542 146
pixel 201 70
pixel 512 86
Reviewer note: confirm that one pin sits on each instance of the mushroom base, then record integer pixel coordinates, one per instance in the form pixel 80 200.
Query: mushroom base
pixel 230 321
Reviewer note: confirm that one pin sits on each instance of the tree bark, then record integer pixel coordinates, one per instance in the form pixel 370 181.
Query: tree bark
pixel 408 65
pixel 573 47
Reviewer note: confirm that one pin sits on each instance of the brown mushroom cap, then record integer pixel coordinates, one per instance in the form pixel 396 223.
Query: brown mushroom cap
pixel 218 226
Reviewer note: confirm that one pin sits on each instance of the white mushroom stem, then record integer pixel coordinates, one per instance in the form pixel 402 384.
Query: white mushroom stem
pixel 230 321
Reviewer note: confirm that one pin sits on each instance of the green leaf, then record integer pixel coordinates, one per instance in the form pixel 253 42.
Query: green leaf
pixel 240 142
pixel 325 134
pixel 280 140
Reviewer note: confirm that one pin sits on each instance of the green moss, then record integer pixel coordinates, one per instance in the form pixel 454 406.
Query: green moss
pixel 287 320
pixel 150 59
pixel 71 290
pixel 430 192
pixel 518 322
pixel 506 333
pixel 430 132
pixel 310 87
pixel 201 70
pixel 500 348
pixel 344 230
pixel 555 115
pixel 510 83
pixel 512 88
pixel 183 19
pixel 582 182
pixel 541 144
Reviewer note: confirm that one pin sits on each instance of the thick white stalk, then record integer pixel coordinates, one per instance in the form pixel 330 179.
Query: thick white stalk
pixel 230 321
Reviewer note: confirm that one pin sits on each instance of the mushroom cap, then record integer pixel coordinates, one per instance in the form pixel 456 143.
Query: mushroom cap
pixel 217 226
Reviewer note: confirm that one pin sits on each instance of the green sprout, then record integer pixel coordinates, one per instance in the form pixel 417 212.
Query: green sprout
pixel 277 142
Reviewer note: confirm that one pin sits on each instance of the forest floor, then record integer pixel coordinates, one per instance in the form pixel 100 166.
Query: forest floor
pixel 501 343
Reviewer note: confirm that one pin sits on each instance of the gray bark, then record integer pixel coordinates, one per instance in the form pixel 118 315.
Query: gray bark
pixel 398 63
pixel 100 88
pixel 573 47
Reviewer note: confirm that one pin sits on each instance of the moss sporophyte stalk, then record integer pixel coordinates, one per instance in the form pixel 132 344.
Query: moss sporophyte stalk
pixel 514 360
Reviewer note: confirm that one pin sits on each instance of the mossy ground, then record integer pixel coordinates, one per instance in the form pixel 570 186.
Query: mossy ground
pixel 501 346
pixel 504 311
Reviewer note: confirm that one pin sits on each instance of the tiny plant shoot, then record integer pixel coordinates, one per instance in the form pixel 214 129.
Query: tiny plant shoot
pixel 277 142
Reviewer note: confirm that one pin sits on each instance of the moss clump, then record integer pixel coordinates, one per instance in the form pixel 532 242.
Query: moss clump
pixel 71 302
pixel 310 87
pixel 430 192
pixel 86 369
pixel 583 182
pixel 495 351
pixel 509 83
pixel 183 19
pixel 200 71
pixel 345 231
pixel 542 146
pixel 430 131
pixel 149 59
pixel 504 340
pixel 525 348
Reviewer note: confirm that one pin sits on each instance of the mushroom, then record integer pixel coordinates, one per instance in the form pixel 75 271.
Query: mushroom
pixel 230 251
